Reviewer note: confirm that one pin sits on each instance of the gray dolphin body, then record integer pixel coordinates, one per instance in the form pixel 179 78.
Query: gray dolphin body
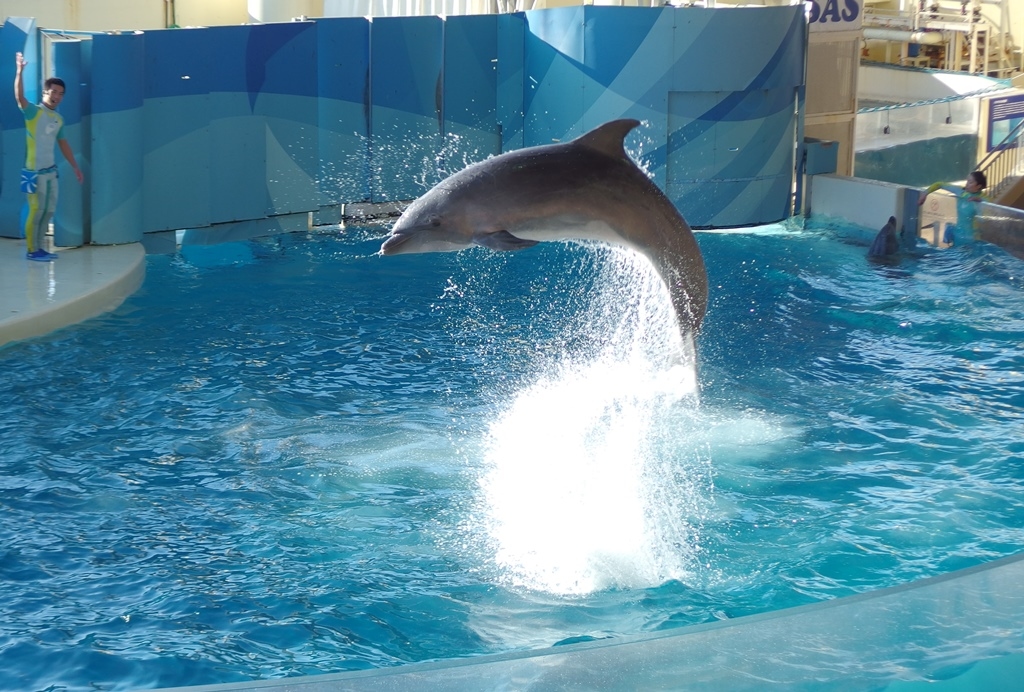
pixel 886 244
pixel 587 188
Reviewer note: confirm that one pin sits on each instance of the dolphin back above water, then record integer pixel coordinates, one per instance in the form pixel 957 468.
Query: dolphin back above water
pixel 586 189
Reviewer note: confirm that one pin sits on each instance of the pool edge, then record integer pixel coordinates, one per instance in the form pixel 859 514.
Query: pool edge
pixel 37 298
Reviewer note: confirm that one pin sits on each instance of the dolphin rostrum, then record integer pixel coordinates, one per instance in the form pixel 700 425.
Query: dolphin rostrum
pixel 587 188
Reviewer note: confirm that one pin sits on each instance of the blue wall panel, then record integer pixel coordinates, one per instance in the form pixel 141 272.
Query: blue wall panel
pixel 117 137
pixel 406 101
pixel 553 79
pixel 281 59
pixel 286 100
pixel 293 153
pixel 721 146
pixel 470 90
pixel 17 35
pixel 717 51
pixel 238 160
pixel 238 137
pixel 176 132
pixel 511 30
pixel 343 71
pixel 731 128
pixel 71 223
pixel 192 128
pixel 732 75
pixel 625 51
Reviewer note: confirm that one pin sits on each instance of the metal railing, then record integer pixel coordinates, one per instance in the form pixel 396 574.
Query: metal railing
pixel 972 35
pixel 1003 165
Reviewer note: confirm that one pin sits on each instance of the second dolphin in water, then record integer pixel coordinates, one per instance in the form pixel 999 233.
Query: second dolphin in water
pixel 587 188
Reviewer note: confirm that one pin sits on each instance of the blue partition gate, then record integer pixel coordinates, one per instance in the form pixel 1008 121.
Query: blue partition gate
pixel 248 129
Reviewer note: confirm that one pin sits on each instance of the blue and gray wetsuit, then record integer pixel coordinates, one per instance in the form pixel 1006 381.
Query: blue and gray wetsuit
pixel 967 206
pixel 44 128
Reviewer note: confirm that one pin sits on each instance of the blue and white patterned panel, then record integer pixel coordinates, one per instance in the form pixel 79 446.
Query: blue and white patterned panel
pixel 285 56
pixel 751 121
pixel 117 138
pixel 552 78
pixel 723 149
pixel 406 99
pixel 470 107
pixel 511 74
pixel 176 131
pixel 246 122
pixel 71 227
pixel 727 151
pixel 237 136
pixel 17 35
pixel 343 71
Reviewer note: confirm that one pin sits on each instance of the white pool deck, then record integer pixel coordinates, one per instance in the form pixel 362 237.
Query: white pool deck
pixel 37 298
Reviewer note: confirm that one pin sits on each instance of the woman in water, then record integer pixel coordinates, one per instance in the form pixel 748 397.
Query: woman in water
pixel 968 200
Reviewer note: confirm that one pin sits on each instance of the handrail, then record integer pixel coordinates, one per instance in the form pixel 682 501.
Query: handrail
pixel 1004 163
pixel 952 98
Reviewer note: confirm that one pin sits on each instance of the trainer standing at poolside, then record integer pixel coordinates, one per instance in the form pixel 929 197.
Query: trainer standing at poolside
pixel 968 200
pixel 44 128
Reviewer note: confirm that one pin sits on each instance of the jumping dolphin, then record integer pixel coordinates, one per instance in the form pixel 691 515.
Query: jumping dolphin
pixel 587 188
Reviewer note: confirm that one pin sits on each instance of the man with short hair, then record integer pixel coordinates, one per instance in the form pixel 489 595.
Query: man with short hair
pixel 44 128
pixel 968 203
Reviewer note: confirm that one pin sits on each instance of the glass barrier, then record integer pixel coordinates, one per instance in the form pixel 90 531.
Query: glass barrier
pixel 887 125
pixel 963 630
pixel 1002 226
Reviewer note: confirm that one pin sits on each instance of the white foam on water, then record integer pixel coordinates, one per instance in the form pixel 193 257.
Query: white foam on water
pixel 588 483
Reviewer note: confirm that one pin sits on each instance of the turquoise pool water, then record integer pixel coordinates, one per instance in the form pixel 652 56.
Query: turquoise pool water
pixel 291 456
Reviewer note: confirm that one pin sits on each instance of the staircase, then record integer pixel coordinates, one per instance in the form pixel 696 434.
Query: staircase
pixel 1004 169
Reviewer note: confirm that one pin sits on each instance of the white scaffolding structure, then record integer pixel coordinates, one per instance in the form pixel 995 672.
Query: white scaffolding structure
pixel 959 35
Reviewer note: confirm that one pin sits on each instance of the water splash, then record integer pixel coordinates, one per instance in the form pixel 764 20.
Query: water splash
pixel 394 156
pixel 591 479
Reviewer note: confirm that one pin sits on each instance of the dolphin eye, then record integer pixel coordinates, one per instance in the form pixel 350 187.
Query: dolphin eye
pixel 434 221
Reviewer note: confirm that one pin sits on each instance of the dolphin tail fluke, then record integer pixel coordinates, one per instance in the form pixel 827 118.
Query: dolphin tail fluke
pixel 609 138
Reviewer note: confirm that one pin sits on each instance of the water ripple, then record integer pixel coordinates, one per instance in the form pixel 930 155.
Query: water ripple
pixel 292 456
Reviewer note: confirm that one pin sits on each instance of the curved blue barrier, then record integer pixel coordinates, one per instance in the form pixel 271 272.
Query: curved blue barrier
pixel 117 137
pixel 71 223
pixel 254 122
pixel 959 631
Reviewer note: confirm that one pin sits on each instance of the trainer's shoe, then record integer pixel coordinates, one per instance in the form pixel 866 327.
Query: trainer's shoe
pixel 40 256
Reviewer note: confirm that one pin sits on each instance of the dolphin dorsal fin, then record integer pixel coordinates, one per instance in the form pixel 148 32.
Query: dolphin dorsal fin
pixel 608 138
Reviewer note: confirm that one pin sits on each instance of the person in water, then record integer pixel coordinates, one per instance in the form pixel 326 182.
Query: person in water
pixel 968 201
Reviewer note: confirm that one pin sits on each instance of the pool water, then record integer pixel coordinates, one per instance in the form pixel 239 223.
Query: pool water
pixel 291 456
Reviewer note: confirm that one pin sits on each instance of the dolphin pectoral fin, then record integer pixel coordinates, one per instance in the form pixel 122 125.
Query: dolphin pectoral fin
pixel 502 240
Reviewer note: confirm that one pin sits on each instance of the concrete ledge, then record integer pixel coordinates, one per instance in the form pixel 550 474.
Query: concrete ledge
pixel 959 631
pixel 1002 226
pixel 37 298
pixel 866 203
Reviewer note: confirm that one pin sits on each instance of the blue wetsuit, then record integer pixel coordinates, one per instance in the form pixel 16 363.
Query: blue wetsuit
pixel 44 128
pixel 967 205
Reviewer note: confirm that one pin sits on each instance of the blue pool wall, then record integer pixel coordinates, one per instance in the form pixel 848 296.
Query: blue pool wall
pixel 246 130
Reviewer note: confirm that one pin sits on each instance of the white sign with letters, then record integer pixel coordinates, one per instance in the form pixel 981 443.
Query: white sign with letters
pixel 835 15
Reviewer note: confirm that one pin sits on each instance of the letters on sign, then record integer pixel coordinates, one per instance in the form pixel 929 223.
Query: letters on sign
pixel 834 15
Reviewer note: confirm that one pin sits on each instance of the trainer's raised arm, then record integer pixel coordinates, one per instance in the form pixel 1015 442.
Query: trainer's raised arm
pixel 19 86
